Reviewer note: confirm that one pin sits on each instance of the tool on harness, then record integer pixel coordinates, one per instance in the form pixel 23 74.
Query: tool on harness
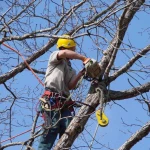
pixel 92 69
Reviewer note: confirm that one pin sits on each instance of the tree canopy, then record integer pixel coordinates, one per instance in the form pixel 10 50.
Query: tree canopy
pixel 115 33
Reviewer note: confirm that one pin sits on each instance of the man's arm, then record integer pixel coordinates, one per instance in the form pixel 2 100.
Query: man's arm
pixel 73 83
pixel 70 54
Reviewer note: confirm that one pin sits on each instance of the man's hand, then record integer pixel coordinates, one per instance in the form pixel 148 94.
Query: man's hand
pixel 86 60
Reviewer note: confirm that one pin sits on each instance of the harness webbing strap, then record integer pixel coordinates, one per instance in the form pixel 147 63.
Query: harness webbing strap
pixel 59 101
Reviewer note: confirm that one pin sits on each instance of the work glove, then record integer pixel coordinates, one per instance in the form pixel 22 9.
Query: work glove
pixel 86 60
pixel 92 68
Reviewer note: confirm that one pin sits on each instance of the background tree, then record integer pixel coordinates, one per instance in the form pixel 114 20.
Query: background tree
pixel 114 33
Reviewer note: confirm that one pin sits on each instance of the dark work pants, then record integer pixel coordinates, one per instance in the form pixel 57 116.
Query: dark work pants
pixel 47 140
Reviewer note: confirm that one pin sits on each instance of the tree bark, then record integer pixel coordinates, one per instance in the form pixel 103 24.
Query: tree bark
pixel 77 124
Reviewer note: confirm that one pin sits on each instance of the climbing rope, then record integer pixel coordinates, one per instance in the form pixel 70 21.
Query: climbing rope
pixel 19 134
pixel 93 138
pixel 36 78
pixel 24 62
pixel 101 117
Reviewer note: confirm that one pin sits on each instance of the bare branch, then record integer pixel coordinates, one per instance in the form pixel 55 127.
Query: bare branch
pixel 139 135
pixel 116 42
pixel 129 64
pixel 22 66
pixel 121 95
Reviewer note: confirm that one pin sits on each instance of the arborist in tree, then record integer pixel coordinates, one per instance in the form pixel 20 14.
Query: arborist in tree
pixel 56 103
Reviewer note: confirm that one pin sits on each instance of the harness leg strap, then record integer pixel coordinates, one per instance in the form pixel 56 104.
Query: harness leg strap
pixel 47 122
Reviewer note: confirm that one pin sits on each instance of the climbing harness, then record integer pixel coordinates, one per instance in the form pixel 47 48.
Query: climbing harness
pixel 54 101
pixel 51 101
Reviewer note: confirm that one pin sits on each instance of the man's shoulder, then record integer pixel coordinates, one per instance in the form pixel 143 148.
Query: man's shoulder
pixel 53 57
pixel 54 54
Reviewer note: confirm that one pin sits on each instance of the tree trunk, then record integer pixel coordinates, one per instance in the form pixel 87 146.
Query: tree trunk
pixel 77 124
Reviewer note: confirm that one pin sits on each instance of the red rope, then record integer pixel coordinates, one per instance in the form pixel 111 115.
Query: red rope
pixel 36 78
pixel 24 62
pixel 19 134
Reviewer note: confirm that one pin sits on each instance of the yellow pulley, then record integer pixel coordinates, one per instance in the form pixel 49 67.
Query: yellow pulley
pixel 101 118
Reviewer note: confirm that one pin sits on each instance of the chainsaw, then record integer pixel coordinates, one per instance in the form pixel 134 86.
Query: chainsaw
pixel 92 69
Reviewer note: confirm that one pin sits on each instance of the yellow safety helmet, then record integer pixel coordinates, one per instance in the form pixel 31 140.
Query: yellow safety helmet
pixel 65 42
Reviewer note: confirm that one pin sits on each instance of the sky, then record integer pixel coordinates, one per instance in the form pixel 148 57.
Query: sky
pixel 123 121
